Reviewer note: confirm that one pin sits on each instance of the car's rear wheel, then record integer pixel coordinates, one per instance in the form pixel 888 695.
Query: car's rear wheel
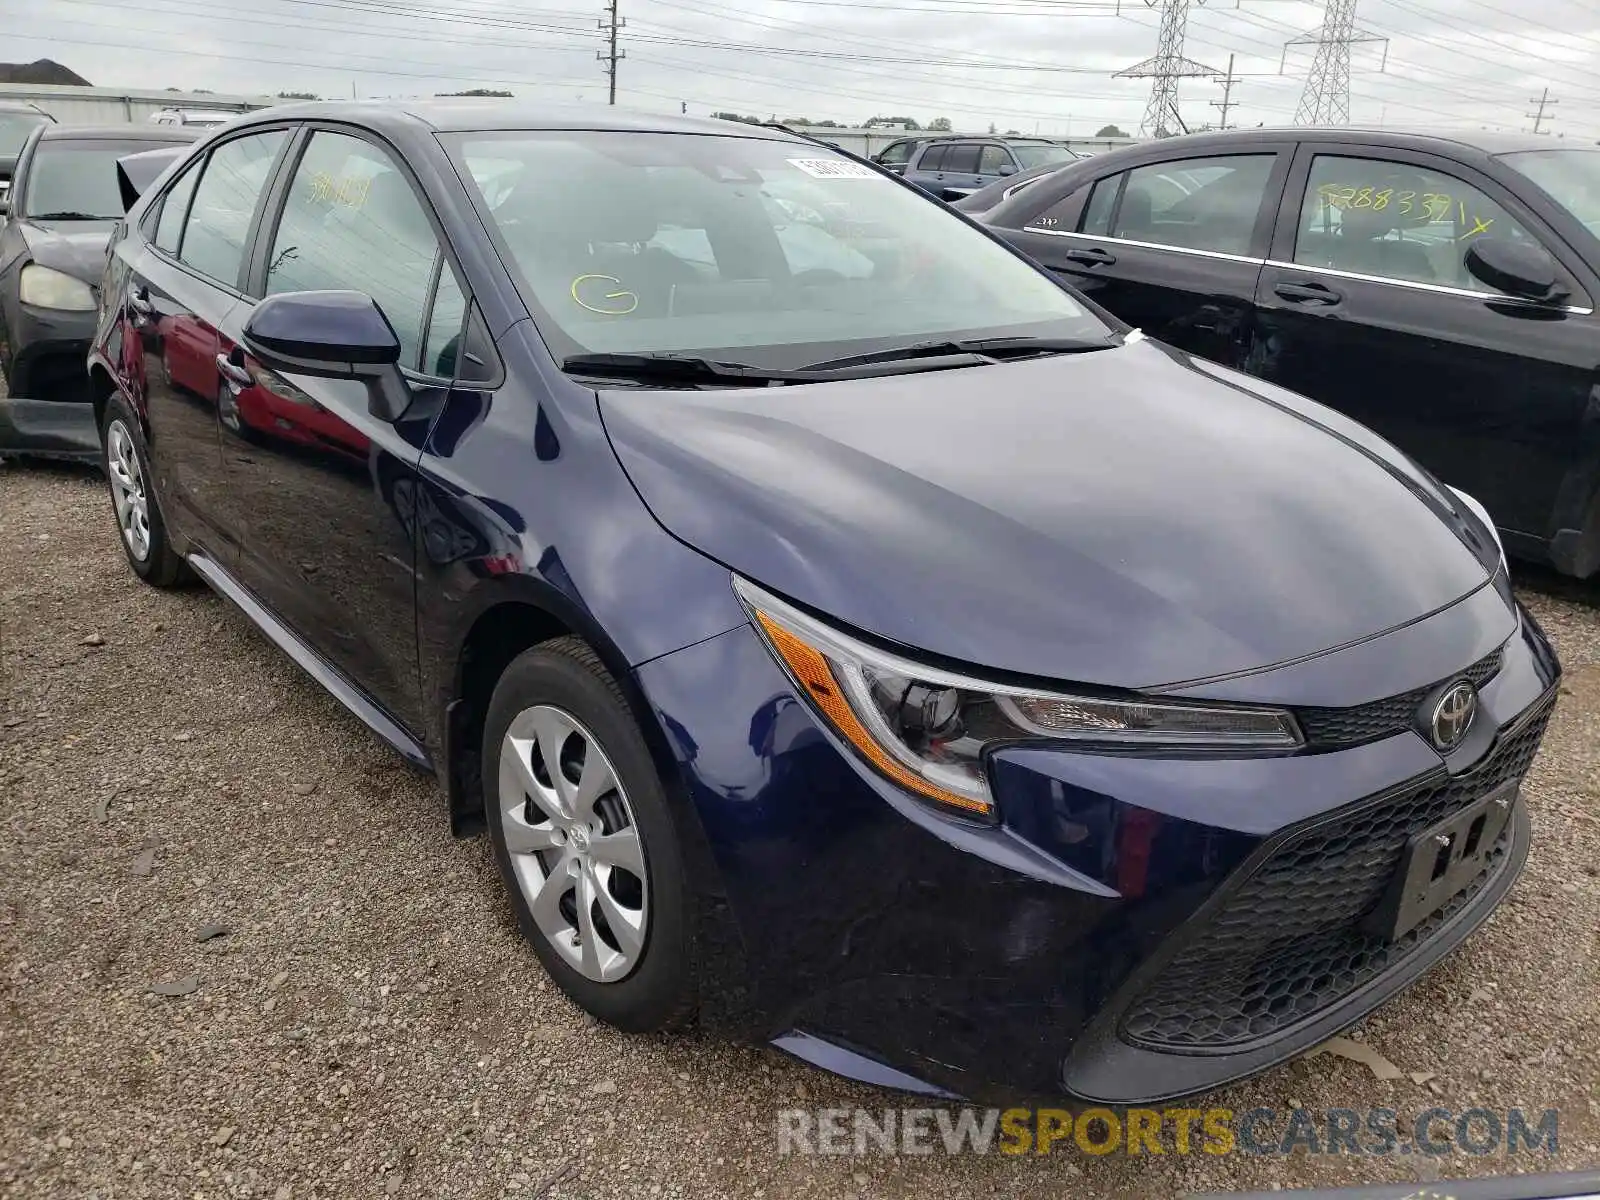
pixel 133 499
pixel 585 839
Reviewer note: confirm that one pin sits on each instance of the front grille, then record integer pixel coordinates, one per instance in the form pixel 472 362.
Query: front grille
pixel 1330 727
pixel 1289 941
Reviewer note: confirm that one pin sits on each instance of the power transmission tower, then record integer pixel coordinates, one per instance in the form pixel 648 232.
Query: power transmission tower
pixel 1227 100
pixel 1326 98
pixel 611 55
pixel 1166 67
pixel 1543 102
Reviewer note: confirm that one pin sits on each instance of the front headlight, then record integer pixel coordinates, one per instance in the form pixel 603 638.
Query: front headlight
pixel 44 287
pixel 928 729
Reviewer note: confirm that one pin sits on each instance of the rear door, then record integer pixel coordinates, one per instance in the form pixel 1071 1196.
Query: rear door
pixel 994 163
pixel 959 177
pixel 1173 246
pixel 1367 306
pixel 329 543
pixel 179 292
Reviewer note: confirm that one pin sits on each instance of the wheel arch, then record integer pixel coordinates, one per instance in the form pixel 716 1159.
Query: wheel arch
pixel 508 619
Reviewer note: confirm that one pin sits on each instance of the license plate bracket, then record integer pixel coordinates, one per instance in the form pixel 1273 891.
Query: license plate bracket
pixel 1442 860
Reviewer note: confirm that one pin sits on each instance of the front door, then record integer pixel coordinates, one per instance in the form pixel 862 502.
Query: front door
pixel 1171 247
pixel 1367 306
pixel 329 543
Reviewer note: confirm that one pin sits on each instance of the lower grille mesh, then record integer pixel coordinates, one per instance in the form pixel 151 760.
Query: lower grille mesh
pixel 1289 942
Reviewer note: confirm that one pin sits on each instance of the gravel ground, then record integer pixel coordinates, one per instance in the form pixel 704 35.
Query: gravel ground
pixel 370 1024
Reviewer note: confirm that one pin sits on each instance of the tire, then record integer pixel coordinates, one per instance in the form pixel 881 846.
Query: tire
pixel 127 466
pixel 640 984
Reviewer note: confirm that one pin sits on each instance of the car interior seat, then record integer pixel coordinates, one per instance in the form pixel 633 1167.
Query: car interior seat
pixel 1364 245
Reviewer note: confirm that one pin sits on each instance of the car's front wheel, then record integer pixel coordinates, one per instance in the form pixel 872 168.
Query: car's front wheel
pixel 585 840
pixel 133 499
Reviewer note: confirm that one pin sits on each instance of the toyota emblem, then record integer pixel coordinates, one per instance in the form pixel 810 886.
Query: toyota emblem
pixel 1452 715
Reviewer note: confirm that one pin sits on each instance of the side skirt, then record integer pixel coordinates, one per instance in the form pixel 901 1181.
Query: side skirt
pixel 311 662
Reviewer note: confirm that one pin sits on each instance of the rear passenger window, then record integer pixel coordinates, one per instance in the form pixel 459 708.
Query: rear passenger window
pixel 234 176
pixel 962 158
pixel 992 160
pixel 1194 203
pixel 174 208
pixel 1394 220
pixel 352 222
pixel 933 158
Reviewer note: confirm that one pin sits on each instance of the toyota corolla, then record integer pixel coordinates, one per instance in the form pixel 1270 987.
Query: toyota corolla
pixel 850 637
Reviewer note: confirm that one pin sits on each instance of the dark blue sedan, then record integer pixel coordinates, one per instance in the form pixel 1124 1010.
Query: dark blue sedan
pixel 851 637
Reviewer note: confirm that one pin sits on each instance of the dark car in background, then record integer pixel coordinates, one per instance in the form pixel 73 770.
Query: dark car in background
pixel 706 573
pixel 64 201
pixel 17 121
pixel 1439 289
pixel 957 167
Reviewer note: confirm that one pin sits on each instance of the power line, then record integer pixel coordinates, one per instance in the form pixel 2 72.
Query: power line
pixel 1326 98
pixel 1164 69
pixel 1227 95
pixel 611 54
pixel 1543 102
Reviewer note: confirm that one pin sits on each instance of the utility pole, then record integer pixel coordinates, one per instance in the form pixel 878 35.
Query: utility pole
pixel 1543 102
pixel 611 55
pixel 1227 95
pixel 1165 68
pixel 1326 98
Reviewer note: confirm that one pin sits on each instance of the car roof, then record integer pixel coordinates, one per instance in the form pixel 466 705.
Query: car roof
pixel 462 116
pixel 115 133
pixel 1482 140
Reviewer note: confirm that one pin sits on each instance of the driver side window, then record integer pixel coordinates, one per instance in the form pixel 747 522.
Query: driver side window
pixel 351 221
pixel 1394 220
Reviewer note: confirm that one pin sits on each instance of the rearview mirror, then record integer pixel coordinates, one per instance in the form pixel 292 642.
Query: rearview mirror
pixel 1517 268
pixel 334 335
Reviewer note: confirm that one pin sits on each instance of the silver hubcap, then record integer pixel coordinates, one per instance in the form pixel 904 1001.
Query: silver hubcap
pixel 127 490
pixel 574 844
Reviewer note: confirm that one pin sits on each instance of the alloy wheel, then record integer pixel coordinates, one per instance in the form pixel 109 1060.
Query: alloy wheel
pixel 128 490
pixel 574 843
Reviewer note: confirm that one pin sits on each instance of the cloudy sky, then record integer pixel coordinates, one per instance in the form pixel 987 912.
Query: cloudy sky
pixel 1030 65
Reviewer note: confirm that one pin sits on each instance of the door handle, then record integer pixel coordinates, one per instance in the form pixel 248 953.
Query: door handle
pixel 1308 293
pixel 1092 257
pixel 235 374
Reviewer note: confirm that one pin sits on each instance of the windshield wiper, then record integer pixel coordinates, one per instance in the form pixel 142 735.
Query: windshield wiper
pixel 687 368
pixel 69 216
pixel 981 349
pixel 678 368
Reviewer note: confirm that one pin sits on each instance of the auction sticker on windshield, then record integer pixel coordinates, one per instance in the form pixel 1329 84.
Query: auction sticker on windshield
pixel 833 168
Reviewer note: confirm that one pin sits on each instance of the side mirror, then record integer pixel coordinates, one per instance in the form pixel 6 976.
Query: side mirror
pixel 1517 268
pixel 334 335
pixel 1008 169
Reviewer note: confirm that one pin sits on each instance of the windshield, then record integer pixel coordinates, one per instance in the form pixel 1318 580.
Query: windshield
pixel 15 128
pixel 1038 156
pixel 1572 177
pixel 776 253
pixel 78 177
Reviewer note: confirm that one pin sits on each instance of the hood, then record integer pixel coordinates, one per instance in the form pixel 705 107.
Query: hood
pixel 76 247
pixel 1115 518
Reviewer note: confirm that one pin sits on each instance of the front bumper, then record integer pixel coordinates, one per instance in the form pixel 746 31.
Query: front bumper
pixel 48 410
pixel 1115 938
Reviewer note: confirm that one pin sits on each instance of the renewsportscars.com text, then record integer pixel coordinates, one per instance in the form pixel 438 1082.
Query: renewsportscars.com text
pixel 1099 1131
